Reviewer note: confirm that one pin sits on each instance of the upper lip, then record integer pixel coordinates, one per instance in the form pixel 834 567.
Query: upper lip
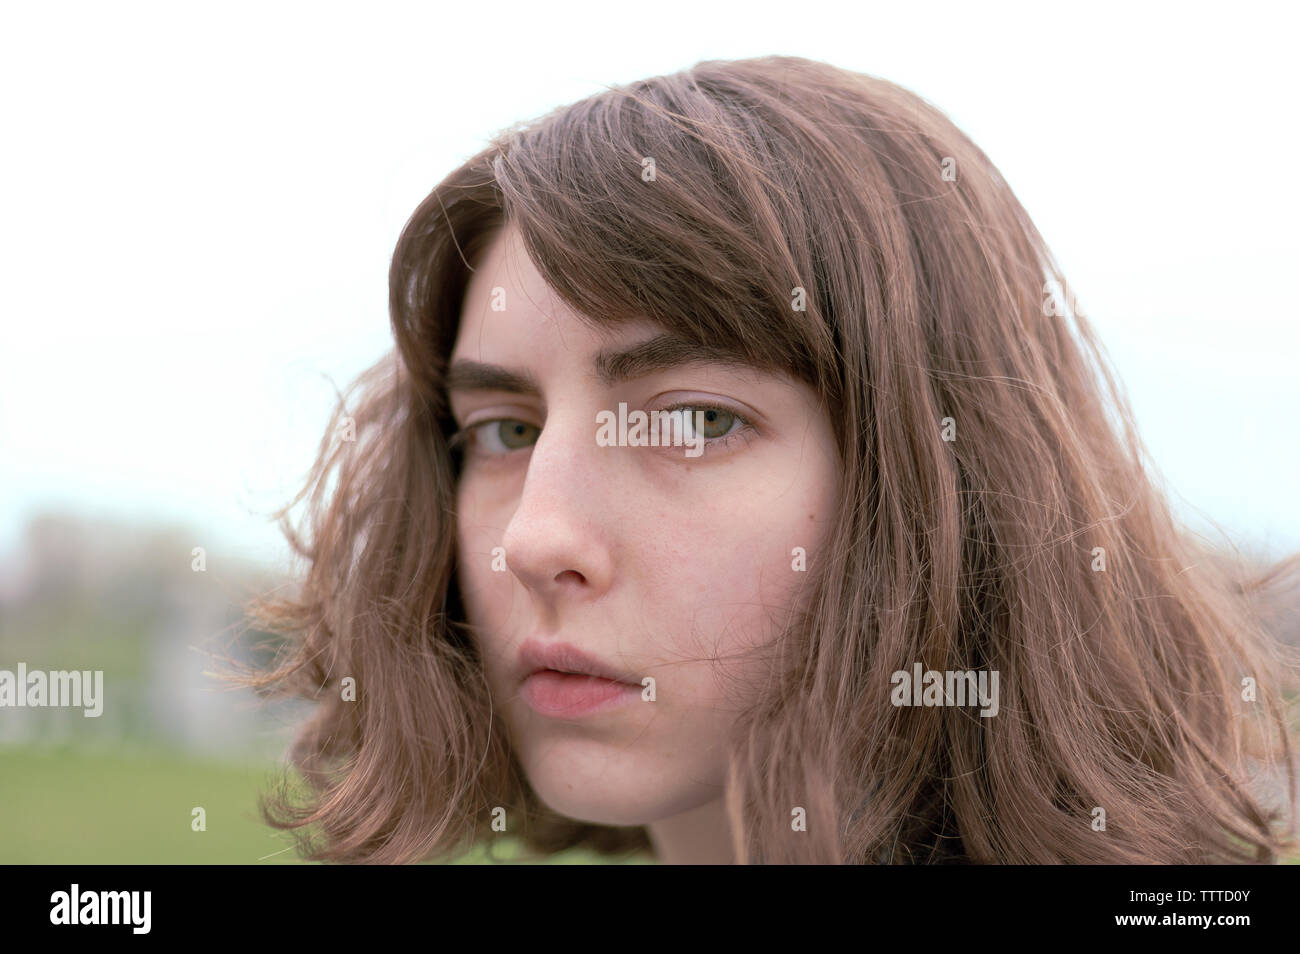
pixel 537 656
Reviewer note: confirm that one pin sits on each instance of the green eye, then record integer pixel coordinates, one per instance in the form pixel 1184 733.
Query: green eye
pixel 514 434
pixel 499 437
pixel 717 422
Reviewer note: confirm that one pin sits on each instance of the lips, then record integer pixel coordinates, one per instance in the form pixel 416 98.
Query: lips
pixel 561 680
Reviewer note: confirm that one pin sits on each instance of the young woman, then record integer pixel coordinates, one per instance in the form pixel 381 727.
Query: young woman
pixel 745 487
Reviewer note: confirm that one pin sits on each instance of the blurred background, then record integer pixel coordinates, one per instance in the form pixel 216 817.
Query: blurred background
pixel 197 208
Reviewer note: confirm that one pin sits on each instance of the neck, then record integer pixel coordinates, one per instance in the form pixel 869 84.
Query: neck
pixel 700 836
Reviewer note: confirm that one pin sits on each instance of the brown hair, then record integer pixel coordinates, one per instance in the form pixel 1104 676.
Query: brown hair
pixel 928 308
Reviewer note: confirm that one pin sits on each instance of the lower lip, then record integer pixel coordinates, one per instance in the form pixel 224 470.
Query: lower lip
pixel 571 694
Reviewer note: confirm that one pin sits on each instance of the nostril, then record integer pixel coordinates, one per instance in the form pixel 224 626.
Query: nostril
pixel 570 574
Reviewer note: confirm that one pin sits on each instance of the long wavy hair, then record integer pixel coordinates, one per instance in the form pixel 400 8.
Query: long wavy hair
pixel 998 512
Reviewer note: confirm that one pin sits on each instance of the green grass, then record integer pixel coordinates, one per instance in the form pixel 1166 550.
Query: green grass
pixel 74 806
pixel 78 806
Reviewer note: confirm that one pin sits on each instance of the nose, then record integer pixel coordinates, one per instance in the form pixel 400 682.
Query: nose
pixel 557 542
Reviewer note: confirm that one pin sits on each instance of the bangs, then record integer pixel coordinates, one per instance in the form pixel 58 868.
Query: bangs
pixel 629 213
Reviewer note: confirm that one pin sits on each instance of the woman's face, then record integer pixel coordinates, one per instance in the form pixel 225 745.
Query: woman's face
pixel 654 563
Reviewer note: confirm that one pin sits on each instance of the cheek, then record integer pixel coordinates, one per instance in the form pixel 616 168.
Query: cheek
pixel 723 579
pixel 477 553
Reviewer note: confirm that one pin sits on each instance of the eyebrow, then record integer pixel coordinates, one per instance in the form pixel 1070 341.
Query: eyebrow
pixel 660 353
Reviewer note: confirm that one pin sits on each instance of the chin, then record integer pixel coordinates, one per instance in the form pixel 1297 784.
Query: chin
pixel 602 788
pixel 596 791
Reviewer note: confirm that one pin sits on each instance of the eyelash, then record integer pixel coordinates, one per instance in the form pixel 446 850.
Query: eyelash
pixel 462 439
pixel 745 428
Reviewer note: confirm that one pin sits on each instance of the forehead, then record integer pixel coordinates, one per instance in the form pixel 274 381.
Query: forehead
pixel 512 320
pixel 508 303
pixel 504 264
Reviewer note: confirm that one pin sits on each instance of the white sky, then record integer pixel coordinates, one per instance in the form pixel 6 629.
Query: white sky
pixel 198 205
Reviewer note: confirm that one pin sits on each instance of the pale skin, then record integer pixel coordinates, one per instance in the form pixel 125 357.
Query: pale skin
pixel 671 567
